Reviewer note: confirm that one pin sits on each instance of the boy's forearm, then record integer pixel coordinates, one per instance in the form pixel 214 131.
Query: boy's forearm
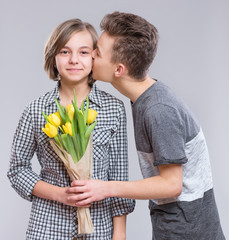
pixel 167 184
pixel 150 188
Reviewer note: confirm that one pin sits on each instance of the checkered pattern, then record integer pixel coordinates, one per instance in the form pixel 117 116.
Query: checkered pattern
pixel 50 220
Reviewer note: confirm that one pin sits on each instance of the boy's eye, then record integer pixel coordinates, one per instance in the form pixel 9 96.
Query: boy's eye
pixel 96 52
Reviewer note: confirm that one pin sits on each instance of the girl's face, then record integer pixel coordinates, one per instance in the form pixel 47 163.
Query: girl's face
pixel 74 61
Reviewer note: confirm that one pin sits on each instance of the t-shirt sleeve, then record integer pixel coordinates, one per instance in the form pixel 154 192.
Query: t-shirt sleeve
pixel 166 132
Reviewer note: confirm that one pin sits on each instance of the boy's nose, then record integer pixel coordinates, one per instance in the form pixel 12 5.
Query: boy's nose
pixel 93 54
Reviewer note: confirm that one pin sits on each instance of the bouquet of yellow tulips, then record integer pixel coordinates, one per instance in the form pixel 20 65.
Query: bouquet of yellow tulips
pixel 70 129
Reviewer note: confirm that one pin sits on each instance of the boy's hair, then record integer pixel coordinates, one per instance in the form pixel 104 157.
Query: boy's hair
pixel 59 38
pixel 135 41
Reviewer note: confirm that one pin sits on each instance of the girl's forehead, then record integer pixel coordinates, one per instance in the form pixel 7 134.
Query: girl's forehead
pixel 79 38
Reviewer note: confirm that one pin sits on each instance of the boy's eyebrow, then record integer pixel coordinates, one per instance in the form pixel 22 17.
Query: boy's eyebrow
pixel 97 47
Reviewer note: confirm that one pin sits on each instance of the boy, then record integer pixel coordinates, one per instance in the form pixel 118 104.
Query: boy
pixel 171 146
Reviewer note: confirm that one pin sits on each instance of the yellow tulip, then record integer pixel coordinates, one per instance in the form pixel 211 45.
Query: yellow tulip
pixel 58 115
pixel 70 111
pixel 55 119
pixel 91 116
pixel 50 130
pixel 68 128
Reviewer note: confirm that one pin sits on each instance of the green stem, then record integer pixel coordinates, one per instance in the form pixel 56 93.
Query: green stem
pixel 69 146
pixel 61 111
pixel 45 116
pixel 58 140
pixel 86 111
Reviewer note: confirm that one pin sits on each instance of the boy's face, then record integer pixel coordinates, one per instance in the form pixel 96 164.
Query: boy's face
pixel 103 69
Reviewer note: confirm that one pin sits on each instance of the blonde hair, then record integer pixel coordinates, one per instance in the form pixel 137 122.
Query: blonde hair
pixel 59 38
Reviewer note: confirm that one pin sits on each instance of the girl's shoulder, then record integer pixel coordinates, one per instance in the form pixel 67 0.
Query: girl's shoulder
pixel 106 98
pixel 43 102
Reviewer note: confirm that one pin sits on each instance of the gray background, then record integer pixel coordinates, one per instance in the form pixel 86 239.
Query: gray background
pixel 193 59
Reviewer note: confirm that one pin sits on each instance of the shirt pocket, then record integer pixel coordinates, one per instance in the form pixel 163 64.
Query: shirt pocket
pixel 44 149
pixel 101 140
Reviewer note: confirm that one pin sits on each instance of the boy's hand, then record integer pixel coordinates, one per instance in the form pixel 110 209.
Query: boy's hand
pixel 87 191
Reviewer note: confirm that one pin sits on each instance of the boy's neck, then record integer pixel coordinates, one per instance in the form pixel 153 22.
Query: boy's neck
pixel 133 88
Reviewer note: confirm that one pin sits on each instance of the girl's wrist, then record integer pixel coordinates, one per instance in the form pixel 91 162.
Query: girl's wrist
pixel 58 194
pixel 119 237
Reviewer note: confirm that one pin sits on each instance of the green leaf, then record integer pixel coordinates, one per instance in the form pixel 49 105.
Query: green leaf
pixel 86 111
pixel 61 111
pixel 90 129
pixel 82 107
pixel 67 119
pixel 69 146
pixel 45 116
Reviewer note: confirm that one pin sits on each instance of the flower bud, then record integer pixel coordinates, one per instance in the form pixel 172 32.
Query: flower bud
pixel 70 111
pixel 55 119
pixel 91 116
pixel 50 130
pixel 68 128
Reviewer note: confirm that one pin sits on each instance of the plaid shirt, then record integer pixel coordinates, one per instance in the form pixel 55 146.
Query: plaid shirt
pixel 51 220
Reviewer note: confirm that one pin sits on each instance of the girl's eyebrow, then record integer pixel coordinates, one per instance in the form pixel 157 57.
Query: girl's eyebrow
pixel 79 48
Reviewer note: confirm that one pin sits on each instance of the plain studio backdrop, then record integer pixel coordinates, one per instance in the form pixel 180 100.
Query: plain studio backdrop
pixel 192 58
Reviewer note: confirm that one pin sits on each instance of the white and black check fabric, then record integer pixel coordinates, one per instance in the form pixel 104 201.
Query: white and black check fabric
pixel 50 220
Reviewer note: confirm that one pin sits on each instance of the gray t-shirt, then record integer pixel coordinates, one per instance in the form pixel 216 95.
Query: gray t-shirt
pixel 166 132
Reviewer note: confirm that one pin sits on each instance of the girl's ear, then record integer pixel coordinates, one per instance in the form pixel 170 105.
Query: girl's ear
pixel 120 70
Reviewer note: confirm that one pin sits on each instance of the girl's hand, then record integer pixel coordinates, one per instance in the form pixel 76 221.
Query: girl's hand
pixel 46 190
pixel 66 197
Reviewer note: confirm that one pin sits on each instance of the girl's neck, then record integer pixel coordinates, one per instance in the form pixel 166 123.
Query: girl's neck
pixel 67 95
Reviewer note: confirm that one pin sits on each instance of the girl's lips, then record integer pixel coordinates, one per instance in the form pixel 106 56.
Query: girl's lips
pixel 74 69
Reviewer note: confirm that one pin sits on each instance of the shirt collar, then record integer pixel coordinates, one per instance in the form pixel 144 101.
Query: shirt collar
pixel 94 95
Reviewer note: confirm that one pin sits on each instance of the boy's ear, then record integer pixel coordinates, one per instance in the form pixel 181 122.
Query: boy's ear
pixel 120 70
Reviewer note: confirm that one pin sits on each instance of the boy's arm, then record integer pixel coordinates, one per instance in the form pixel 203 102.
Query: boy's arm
pixel 167 184
pixel 119 226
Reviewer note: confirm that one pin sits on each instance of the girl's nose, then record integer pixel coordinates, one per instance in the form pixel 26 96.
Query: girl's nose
pixel 73 58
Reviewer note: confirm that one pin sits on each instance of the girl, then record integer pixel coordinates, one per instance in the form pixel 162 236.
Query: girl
pixel 68 60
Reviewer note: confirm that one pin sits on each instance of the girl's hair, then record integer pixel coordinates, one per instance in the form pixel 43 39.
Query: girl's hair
pixel 59 38
pixel 135 41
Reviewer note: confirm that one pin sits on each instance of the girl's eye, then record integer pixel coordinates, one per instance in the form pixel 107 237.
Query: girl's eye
pixel 84 52
pixel 64 52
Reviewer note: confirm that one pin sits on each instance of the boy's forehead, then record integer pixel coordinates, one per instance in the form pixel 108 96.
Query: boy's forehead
pixel 105 41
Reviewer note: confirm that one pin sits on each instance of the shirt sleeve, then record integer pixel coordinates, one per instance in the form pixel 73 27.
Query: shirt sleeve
pixel 166 132
pixel 20 173
pixel 118 164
